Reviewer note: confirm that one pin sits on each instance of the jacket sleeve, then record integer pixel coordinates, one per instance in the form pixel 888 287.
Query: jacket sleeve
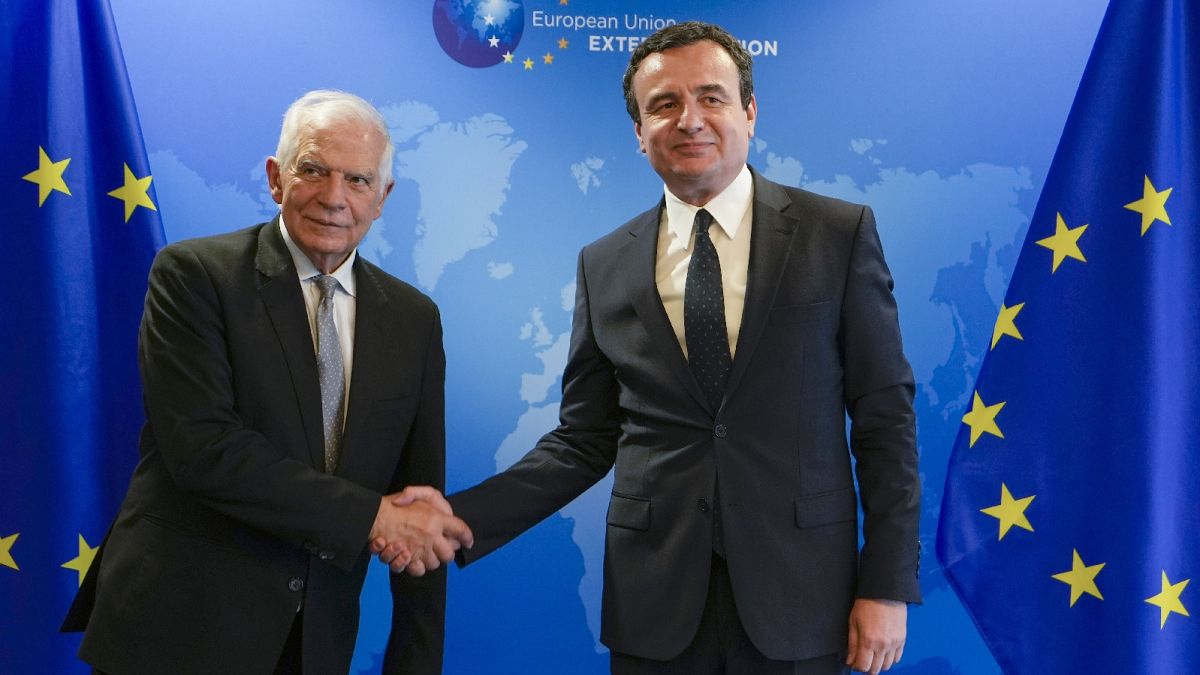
pixel 879 394
pixel 566 461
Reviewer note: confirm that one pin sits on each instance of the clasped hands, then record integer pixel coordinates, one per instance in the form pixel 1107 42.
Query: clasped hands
pixel 416 531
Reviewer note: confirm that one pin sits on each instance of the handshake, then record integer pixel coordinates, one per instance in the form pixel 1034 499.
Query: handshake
pixel 416 530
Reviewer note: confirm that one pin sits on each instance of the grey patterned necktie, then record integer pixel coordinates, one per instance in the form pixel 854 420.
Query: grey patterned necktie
pixel 330 370
pixel 704 315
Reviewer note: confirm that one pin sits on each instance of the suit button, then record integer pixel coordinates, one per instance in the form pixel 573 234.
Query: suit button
pixel 703 504
pixel 721 431
pixel 295 584
pixel 325 555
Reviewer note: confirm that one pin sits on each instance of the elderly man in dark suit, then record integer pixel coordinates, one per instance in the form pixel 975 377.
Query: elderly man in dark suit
pixel 719 341
pixel 289 386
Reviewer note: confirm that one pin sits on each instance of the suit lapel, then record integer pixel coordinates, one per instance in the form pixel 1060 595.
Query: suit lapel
pixel 279 288
pixel 770 245
pixel 369 360
pixel 638 258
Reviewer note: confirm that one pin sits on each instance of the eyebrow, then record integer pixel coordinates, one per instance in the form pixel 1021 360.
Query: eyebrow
pixel 712 89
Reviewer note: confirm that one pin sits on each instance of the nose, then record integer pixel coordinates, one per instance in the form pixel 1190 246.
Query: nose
pixel 691 118
pixel 333 192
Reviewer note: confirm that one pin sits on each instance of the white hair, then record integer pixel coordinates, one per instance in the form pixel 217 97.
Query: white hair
pixel 322 107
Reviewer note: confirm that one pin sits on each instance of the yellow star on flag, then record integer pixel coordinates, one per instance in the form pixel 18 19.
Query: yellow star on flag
pixel 1168 600
pixel 528 63
pixel 1010 511
pixel 48 176
pixel 508 57
pixel 1006 323
pixel 982 418
pixel 1081 578
pixel 83 561
pixel 562 43
pixel 562 2
pixel 6 544
pixel 1064 243
pixel 135 193
pixel 1152 205
pixel 548 58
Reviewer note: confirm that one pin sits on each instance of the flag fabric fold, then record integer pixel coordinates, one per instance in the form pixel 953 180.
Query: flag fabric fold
pixel 1072 505
pixel 81 227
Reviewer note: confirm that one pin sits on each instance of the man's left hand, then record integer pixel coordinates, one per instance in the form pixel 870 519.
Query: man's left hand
pixel 877 632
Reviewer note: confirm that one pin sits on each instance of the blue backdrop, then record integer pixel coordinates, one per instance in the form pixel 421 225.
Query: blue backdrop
pixel 942 116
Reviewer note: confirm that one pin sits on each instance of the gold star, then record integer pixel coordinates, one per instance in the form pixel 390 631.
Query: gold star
pixel 548 58
pixel 982 418
pixel 1081 578
pixel 1064 243
pixel 6 544
pixel 1152 205
pixel 1010 511
pixel 562 43
pixel 1006 323
pixel 508 57
pixel 48 176
pixel 135 193
pixel 562 2
pixel 1168 599
pixel 83 561
pixel 528 64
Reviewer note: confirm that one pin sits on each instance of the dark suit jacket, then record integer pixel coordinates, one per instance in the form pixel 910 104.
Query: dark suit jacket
pixel 819 338
pixel 230 521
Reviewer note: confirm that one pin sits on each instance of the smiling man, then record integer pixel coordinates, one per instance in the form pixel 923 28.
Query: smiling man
pixel 719 341
pixel 289 385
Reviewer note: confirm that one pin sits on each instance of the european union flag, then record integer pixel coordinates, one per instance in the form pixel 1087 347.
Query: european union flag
pixel 81 228
pixel 1071 515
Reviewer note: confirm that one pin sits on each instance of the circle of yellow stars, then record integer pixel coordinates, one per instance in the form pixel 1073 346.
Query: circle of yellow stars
pixel 80 564
pixel 49 176
pixel 528 62
pixel 981 419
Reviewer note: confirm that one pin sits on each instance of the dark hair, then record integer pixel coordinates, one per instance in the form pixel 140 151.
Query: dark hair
pixel 681 35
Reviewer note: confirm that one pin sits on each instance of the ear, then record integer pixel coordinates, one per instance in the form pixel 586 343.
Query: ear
pixel 637 131
pixel 274 180
pixel 752 114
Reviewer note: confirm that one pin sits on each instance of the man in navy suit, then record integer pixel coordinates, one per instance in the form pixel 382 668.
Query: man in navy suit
pixel 719 340
pixel 289 386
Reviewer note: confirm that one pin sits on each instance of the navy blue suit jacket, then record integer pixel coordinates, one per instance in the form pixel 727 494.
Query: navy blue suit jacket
pixel 819 340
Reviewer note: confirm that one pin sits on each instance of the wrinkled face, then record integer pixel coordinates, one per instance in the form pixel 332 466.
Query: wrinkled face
pixel 693 127
pixel 332 193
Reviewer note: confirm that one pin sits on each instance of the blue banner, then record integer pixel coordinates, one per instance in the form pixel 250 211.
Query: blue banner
pixel 81 226
pixel 1070 520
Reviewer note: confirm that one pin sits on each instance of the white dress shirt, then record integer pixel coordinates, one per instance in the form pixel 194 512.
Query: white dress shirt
pixel 344 303
pixel 732 212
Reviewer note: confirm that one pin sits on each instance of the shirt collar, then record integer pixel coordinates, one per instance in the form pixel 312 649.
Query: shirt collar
pixel 727 208
pixel 306 270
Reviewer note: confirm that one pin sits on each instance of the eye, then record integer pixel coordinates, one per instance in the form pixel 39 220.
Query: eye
pixel 310 171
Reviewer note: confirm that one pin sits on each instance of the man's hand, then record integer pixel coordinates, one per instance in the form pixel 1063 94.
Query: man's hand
pixel 415 530
pixel 877 632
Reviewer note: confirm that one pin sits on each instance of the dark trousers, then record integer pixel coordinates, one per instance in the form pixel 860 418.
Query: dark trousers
pixel 722 646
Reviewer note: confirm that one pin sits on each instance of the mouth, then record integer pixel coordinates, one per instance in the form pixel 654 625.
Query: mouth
pixel 322 222
pixel 692 148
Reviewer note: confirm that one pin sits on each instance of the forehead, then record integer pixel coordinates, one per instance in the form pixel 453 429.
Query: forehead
pixel 346 140
pixel 698 64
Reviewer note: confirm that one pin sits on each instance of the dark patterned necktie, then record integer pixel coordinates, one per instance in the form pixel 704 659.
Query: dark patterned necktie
pixel 704 315
pixel 330 370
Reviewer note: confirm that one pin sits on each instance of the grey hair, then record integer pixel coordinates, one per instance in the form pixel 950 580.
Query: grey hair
pixel 323 106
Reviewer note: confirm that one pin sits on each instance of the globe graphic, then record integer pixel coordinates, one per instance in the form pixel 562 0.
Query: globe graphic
pixel 478 33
